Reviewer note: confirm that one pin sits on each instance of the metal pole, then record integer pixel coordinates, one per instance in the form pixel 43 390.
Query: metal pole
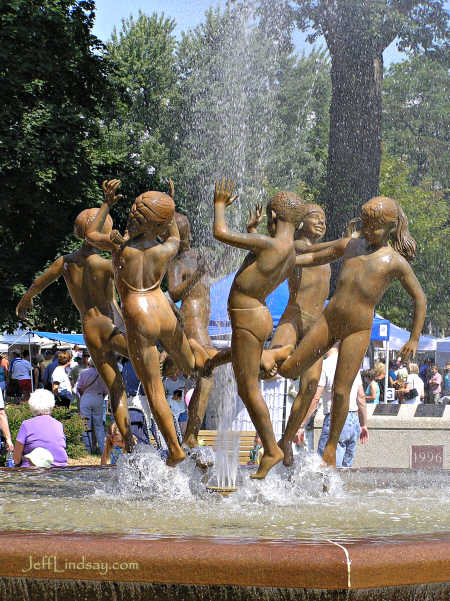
pixel 32 372
pixel 386 375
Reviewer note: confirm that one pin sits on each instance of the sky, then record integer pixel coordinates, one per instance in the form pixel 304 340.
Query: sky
pixel 187 14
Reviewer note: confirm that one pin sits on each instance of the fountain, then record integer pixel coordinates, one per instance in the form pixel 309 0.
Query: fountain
pixel 146 531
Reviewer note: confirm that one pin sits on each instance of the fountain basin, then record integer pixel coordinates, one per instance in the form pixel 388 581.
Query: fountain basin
pixel 206 568
pixel 150 555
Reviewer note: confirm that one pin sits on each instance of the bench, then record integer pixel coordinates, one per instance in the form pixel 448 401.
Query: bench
pixel 246 442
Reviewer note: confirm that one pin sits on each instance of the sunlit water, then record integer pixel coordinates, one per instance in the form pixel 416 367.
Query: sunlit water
pixel 143 496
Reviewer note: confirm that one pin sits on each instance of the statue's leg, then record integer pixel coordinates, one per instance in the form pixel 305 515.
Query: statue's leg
pixel 176 344
pixel 351 354
pixel 197 409
pixel 145 358
pixel 285 335
pixel 99 331
pixel 106 365
pixel 246 359
pixel 316 342
pixel 308 387
pixel 119 343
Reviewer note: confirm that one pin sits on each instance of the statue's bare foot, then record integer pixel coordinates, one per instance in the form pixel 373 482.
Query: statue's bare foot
pixel 286 447
pixel 283 352
pixel 201 354
pixel 175 457
pixel 268 362
pixel 272 357
pixel 190 441
pixel 267 462
pixel 329 457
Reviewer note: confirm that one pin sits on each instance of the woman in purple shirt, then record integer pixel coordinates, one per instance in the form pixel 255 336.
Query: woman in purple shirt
pixel 42 430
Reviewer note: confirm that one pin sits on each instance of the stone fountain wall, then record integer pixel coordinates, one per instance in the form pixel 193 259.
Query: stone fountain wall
pixel 403 440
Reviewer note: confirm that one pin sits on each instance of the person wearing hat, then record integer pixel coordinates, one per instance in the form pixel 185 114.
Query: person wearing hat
pixel 41 431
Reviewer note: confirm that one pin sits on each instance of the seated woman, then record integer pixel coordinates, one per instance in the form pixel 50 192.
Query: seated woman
pixel 42 431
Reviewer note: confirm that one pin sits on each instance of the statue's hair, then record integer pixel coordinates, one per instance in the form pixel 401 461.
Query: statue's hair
pixel 184 227
pixel 152 207
pixel 288 206
pixel 84 219
pixel 384 210
pixel 311 208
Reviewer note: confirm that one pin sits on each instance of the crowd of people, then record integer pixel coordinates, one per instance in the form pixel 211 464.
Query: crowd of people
pixel 67 378
pixel 64 378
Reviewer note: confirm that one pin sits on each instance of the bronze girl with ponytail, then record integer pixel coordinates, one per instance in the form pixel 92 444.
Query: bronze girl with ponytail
pixel 370 265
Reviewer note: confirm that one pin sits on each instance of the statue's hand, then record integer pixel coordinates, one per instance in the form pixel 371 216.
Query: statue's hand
pixel 116 237
pixel 255 218
pixel 109 191
pixel 351 231
pixel 409 349
pixel 223 193
pixel 171 188
pixel 24 306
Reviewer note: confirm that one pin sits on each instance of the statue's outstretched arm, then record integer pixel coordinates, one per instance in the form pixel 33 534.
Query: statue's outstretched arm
pixel 50 275
pixel 94 233
pixel 223 197
pixel 333 251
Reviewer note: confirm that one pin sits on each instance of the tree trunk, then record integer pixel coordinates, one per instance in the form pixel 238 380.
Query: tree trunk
pixel 354 151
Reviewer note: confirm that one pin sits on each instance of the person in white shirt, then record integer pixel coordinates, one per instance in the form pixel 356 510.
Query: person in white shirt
pixel 413 382
pixel 356 423
pixel 61 384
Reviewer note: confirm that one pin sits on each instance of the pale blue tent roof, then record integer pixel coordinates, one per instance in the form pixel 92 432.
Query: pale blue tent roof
pixel 70 338
pixel 219 323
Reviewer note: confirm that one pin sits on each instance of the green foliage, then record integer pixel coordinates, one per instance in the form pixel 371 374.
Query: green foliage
pixel 416 113
pixel 52 86
pixel 427 211
pixel 303 102
pixel 71 420
pixel 139 128
pixel 376 23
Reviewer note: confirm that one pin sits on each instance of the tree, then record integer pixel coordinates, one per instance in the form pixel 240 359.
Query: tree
pixel 52 84
pixel 139 129
pixel 416 113
pixel 356 34
pixel 427 211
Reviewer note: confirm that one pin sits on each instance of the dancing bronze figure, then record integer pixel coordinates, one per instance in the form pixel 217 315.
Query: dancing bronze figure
pixel 187 282
pixel 370 265
pixel 270 260
pixel 308 291
pixel 140 261
pixel 90 282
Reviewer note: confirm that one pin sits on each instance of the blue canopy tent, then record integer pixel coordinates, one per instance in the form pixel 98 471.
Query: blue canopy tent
pixel 219 323
pixel 70 338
